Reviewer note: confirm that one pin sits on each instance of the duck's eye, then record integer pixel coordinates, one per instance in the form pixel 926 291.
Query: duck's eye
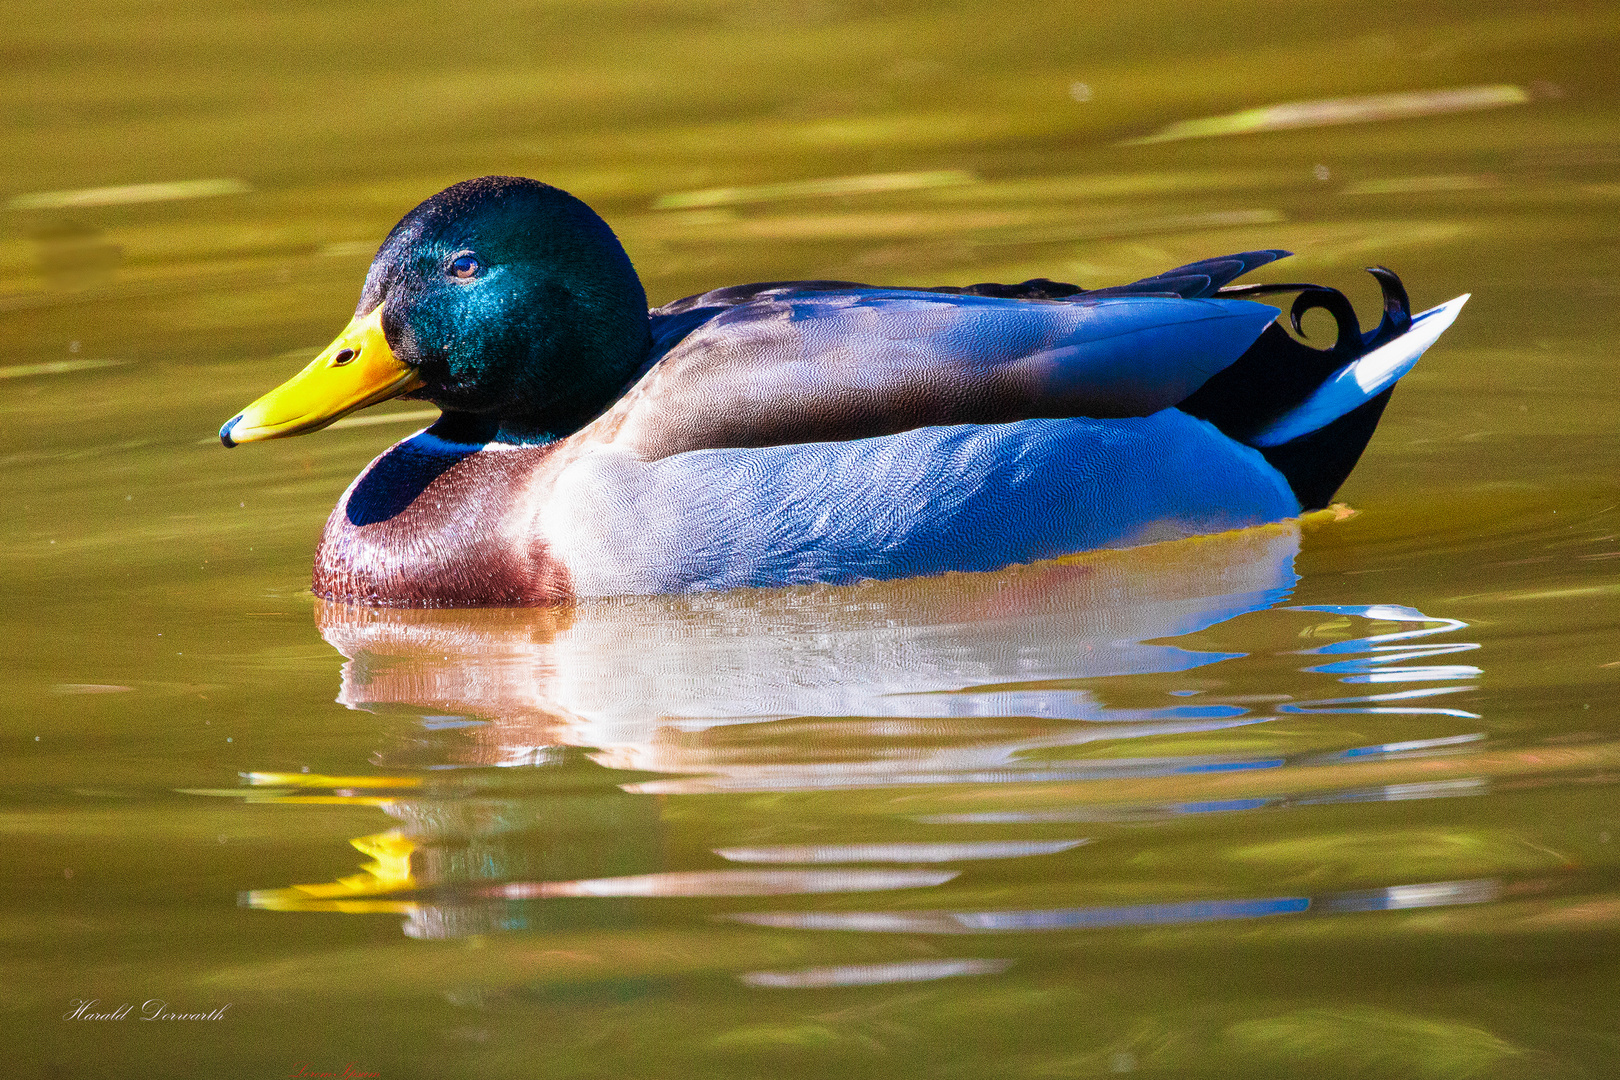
pixel 465 266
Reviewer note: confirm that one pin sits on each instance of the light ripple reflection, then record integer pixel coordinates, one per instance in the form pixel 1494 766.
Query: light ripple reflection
pixel 873 974
pixel 902 852
pixel 1429 894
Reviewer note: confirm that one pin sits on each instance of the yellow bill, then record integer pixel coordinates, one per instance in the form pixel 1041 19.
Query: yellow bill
pixel 356 370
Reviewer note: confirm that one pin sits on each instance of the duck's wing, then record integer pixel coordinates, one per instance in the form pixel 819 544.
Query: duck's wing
pixel 804 362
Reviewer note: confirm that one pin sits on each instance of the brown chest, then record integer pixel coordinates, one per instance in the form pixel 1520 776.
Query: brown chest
pixel 431 524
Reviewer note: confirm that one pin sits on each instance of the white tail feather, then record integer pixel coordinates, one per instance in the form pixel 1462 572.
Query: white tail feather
pixel 1364 379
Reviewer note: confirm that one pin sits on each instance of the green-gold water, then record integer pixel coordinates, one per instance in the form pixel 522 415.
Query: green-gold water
pixel 1169 812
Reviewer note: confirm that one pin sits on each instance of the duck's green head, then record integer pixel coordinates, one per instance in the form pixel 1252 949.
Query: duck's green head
pixel 501 299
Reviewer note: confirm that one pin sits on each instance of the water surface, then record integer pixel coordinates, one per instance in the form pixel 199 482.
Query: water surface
pixel 1334 799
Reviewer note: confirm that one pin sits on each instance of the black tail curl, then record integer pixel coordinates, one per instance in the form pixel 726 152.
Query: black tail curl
pixel 1397 315
pixel 1278 373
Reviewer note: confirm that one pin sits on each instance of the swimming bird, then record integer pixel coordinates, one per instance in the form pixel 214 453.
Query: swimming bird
pixel 792 432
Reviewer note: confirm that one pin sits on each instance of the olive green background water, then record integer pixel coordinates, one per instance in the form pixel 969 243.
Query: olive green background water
pixel 1150 812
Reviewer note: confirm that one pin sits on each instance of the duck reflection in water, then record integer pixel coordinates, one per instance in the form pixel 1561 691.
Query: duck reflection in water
pixel 982 663
pixel 965 679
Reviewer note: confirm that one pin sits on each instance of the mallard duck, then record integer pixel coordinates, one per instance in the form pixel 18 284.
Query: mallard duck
pixel 809 431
